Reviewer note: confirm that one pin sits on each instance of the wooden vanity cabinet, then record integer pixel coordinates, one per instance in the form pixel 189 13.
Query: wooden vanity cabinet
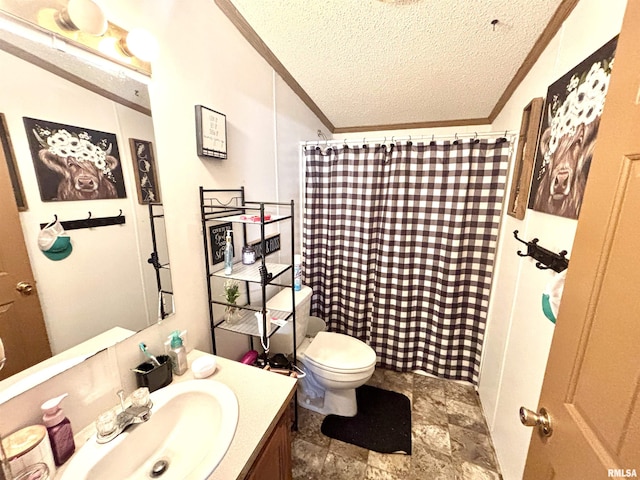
pixel 274 460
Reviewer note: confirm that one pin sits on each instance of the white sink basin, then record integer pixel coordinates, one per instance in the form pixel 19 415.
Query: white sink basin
pixel 191 427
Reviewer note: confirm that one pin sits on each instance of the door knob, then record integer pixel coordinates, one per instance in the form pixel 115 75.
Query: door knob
pixel 541 420
pixel 24 288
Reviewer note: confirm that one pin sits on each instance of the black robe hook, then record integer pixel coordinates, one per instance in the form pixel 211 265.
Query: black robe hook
pixel 545 259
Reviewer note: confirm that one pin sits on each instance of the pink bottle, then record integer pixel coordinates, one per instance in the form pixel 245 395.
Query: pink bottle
pixel 59 429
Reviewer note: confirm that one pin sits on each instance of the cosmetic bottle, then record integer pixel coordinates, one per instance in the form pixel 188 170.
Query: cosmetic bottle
pixel 297 273
pixel 228 254
pixel 59 430
pixel 178 354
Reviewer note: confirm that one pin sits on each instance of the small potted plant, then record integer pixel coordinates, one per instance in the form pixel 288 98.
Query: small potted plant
pixel 231 294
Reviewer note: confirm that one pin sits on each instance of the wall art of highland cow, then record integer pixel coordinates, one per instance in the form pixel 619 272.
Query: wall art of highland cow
pixel 569 128
pixel 74 163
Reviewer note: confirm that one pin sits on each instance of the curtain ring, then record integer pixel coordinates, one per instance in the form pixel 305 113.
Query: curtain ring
pixel 433 140
pixel 455 142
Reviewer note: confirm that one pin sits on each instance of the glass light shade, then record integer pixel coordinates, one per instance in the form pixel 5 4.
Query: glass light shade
pixel 142 44
pixel 84 15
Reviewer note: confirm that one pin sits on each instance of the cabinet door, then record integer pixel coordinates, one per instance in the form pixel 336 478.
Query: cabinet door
pixel 274 461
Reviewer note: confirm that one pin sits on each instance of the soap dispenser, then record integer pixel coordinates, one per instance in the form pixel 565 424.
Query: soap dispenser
pixel 59 430
pixel 178 354
pixel 228 254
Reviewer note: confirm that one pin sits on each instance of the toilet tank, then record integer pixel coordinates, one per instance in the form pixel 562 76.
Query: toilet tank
pixel 282 340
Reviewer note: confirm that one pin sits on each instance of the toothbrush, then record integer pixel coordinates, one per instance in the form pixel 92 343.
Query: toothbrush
pixel 143 347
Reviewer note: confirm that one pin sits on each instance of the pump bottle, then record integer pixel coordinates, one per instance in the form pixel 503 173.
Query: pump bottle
pixel 59 430
pixel 228 254
pixel 297 273
pixel 178 354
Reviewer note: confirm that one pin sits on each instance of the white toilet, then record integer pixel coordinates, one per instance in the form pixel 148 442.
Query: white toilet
pixel 334 364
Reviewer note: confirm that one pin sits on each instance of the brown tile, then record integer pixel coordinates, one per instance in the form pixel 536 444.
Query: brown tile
pixel 307 459
pixel 471 471
pixel 340 468
pixel 394 463
pixel 399 382
pixel 426 385
pixel 465 415
pixel 373 473
pixel 348 450
pixel 427 464
pixel 428 409
pixel 468 445
pixel 309 424
pixel 432 437
pixel 377 379
pixel 461 392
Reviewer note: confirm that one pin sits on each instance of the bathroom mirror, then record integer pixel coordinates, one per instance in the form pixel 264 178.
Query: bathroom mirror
pixel 107 282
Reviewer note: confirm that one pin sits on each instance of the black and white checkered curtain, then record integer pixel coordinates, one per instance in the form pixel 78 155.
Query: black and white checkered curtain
pixel 399 245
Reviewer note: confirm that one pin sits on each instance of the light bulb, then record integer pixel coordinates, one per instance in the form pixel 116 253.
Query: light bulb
pixel 83 15
pixel 141 44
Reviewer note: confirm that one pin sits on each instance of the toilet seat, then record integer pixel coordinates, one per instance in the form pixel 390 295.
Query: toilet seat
pixel 338 353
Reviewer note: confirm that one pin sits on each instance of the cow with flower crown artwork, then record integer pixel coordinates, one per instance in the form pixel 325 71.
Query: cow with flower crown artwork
pixel 573 108
pixel 73 163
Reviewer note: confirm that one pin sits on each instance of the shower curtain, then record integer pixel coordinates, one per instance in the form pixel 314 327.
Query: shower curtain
pixel 399 244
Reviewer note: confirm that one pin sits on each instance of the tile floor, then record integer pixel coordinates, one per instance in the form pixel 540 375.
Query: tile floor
pixel 450 438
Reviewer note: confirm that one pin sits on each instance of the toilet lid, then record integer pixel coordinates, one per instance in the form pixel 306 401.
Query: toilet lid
pixel 340 353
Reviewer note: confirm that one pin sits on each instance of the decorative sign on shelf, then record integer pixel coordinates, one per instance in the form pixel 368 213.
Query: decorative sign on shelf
pixel 211 133
pixel 217 234
pixel 271 244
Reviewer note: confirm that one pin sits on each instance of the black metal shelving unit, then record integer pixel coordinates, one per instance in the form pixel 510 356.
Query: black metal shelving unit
pixel 156 211
pixel 220 206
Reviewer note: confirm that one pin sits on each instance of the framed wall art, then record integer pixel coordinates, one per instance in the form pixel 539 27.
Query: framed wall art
pixel 525 156
pixel 12 166
pixel 211 133
pixel 570 124
pixel 146 173
pixel 74 163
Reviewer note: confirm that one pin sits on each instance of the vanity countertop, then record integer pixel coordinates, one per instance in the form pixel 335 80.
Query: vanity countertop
pixel 262 397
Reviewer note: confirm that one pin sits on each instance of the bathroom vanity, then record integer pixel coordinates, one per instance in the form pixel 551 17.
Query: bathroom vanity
pixel 261 444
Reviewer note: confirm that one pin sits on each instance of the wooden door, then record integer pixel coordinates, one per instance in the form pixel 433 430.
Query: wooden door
pixel 592 382
pixel 22 327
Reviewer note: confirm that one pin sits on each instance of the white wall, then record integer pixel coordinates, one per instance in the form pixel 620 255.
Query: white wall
pixel 205 61
pixel 518 335
pixel 78 293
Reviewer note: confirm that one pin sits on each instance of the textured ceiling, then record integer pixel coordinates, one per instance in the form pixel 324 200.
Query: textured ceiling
pixel 386 62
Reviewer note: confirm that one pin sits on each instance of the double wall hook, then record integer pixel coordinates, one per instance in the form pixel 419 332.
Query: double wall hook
pixel 546 259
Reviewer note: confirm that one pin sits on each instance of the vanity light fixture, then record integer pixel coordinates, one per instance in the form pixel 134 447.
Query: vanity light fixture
pixel 83 24
pixel 83 15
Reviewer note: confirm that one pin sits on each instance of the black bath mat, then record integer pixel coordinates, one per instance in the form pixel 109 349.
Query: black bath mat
pixel 382 424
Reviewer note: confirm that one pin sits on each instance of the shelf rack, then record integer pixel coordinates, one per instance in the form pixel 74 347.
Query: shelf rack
pixel 218 206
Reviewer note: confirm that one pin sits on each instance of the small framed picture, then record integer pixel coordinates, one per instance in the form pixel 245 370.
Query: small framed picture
pixel 144 167
pixel 211 133
pixel 525 156
pixel 218 235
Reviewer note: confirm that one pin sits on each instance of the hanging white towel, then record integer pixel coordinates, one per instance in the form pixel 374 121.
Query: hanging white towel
pixel 553 295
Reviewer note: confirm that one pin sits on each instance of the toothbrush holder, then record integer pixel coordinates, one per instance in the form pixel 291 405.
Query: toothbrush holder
pixel 152 376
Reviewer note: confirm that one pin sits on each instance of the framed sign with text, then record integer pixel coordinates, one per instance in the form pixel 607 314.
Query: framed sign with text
pixel 218 234
pixel 211 133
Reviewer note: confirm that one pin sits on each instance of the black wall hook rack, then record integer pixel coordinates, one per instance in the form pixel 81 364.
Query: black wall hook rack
pixel 88 222
pixel 546 259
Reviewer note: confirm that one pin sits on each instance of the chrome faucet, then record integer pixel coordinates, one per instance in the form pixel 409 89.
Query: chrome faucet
pixel 110 425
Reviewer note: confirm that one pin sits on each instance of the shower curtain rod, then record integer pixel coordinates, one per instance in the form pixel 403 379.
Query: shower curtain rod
pixel 393 138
